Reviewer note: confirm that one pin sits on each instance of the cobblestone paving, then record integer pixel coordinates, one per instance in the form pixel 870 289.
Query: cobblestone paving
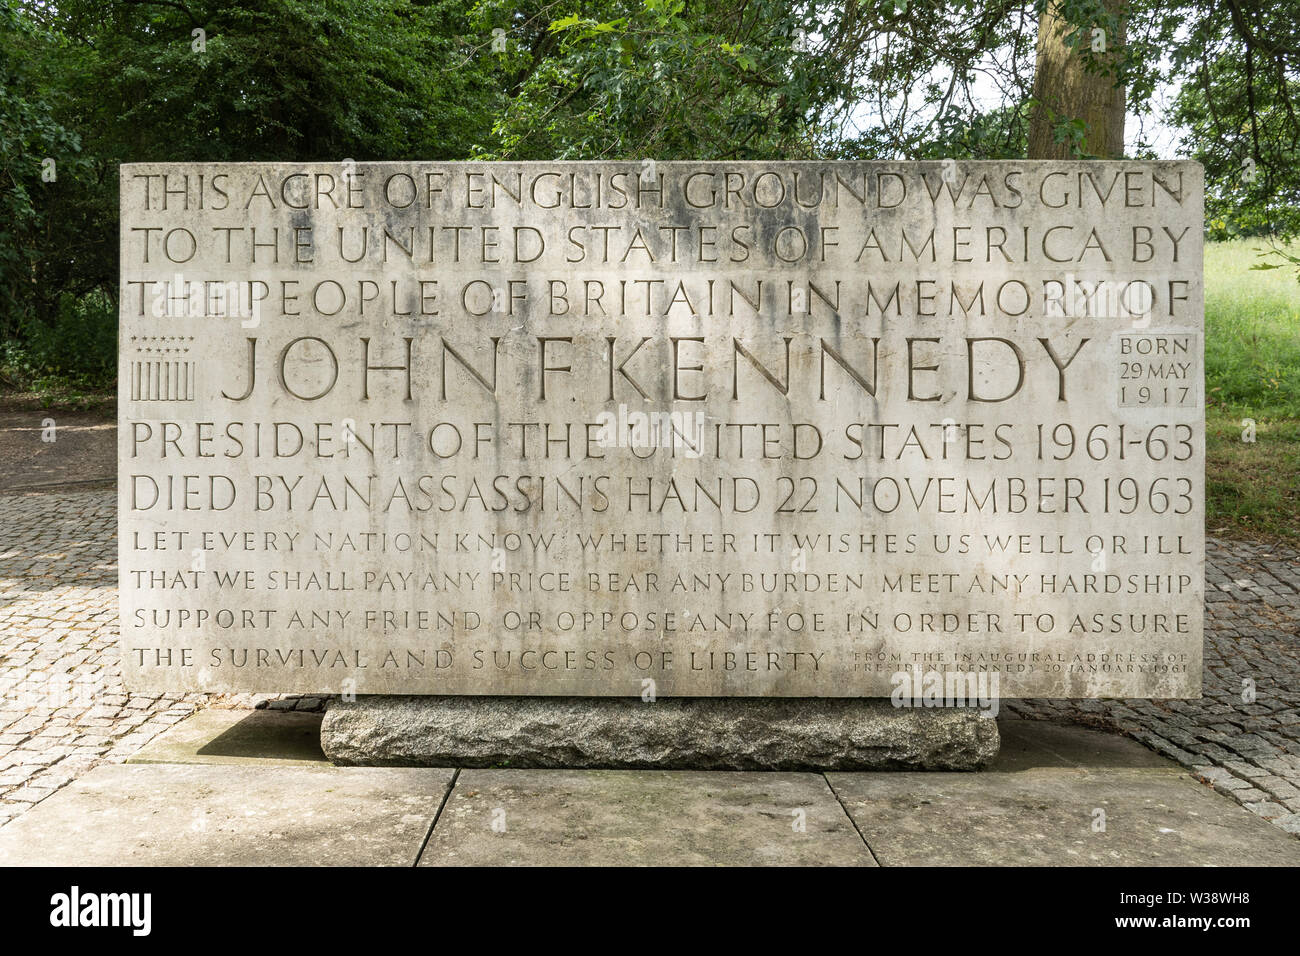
pixel 63 708
pixel 62 705
pixel 1243 736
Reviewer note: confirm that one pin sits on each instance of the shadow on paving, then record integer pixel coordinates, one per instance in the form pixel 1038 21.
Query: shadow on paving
pixel 240 787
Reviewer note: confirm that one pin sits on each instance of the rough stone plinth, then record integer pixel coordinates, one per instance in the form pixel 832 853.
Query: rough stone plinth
pixel 677 733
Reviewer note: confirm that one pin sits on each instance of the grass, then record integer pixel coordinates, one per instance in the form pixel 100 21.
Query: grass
pixel 1252 372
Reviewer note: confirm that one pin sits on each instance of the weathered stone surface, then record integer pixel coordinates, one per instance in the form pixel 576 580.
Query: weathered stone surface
pixel 1059 796
pixel 712 429
pixel 700 733
pixel 193 814
pixel 643 818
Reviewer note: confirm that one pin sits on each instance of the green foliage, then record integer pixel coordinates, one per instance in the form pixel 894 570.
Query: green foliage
pixel 661 78
pixel 30 135
pixel 77 348
pixel 996 134
pixel 1239 82
pixel 1253 187
pixel 281 79
pixel 91 85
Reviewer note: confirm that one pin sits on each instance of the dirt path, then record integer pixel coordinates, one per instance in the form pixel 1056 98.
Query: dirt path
pixel 40 447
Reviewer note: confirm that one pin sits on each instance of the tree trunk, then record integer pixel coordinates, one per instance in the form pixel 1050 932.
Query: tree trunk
pixel 1065 90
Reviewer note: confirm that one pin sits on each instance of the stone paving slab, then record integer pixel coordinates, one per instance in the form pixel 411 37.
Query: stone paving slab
pixel 215 815
pixel 1045 817
pixel 643 818
pixel 1058 796
pixel 239 737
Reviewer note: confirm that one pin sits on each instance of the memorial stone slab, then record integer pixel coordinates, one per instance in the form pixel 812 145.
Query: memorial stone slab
pixel 852 429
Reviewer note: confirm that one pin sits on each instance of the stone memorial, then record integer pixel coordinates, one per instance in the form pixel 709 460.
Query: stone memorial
pixel 677 463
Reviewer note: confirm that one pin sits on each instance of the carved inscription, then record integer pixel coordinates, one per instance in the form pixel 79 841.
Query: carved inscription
pixel 687 429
